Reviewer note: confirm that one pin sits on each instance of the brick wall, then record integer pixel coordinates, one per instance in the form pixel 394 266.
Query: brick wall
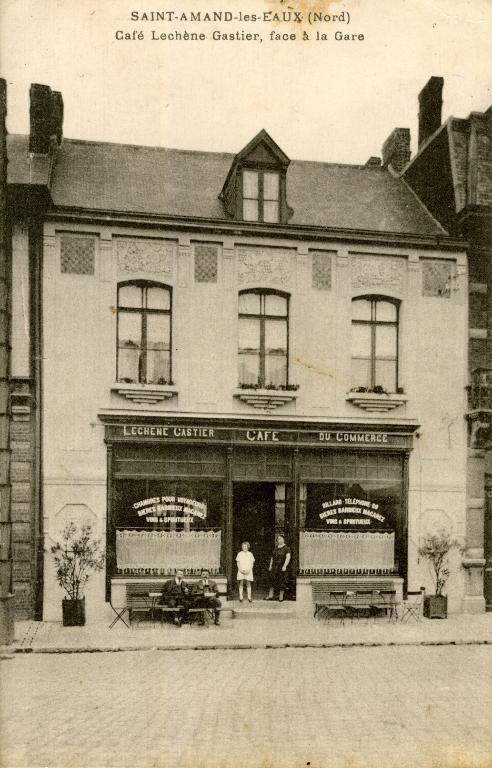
pixel 22 506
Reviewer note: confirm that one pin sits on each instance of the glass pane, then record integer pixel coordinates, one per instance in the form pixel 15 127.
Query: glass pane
pixel 129 329
pixel 275 305
pixel 385 375
pixel 361 340
pixel 158 366
pixel 386 341
pixel 385 311
pixel 361 372
pixel 130 296
pixel 249 303
pixel 158 298
pixel 275 369
pixel 270 212
pixel 129 340
pixel 250 210
pixel 276 337
pixel 249 369
pixel 250 184
pixel 270 186
pixel 249 334
pixel 361 309
pixel 128 364
pixel 158 331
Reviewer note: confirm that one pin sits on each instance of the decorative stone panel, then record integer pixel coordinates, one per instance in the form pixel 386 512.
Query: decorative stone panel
pixel 321 270
pixel 375 273
pixel 436 278
pixel 79 514
pixel 77 255
pixel 206 259
pixel 264 266
pixel 145 255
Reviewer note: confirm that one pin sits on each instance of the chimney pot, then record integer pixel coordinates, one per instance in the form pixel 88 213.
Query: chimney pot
pixel 430 106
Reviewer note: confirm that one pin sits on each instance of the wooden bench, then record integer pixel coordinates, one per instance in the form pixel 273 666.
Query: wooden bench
pixel 353 597
pixel 145 599
pixel 139 600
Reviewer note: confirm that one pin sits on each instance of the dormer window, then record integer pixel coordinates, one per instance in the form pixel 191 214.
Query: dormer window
pixel 261 196
pixel 256 185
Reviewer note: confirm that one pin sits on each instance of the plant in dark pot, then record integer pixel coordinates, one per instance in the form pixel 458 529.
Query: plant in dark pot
pixel 76 555
pixel 436 548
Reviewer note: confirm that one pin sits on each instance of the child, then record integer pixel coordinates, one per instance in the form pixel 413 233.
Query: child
pixel 245 561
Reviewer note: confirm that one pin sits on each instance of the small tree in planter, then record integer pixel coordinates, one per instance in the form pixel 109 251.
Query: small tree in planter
pixel 435 548
pixel 75 557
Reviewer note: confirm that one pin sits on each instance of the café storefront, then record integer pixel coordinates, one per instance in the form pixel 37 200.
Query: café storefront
pixel 186 495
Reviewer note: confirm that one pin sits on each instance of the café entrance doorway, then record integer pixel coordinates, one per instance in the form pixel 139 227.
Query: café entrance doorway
pixel 254 521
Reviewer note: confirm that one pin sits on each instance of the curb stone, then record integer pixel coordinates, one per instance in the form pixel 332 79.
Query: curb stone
pixel 10 653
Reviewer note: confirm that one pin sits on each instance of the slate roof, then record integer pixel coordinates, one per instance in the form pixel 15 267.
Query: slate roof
pixel 174 182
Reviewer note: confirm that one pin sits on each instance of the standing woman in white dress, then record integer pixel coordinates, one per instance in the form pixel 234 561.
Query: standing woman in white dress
pixel 245 562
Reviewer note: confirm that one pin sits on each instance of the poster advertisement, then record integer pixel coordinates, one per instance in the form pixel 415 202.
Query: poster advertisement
pixel 247 249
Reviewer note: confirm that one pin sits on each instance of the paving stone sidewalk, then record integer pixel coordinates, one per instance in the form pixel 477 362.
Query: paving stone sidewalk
pixel 254 632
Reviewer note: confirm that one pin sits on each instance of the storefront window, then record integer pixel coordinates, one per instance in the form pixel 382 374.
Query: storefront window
pixel 351 522
pixel 164 525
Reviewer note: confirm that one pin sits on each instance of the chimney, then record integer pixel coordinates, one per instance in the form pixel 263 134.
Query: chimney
pixel 396 149
pixel 430 105
pixel 373 162
pixel 46 118
pixel 57 116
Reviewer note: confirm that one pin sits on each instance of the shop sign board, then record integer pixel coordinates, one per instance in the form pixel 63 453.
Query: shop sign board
pixel 257 435
pixel 349 511
pixel 170 509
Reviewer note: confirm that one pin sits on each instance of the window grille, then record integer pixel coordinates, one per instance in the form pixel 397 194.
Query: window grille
pixel 77 255
pixel 206 258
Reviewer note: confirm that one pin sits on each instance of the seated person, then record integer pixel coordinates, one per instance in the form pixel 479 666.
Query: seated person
pixel 207 585
pixel 174 595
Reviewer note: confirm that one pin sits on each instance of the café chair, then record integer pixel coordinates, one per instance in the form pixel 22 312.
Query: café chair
pixel 411 608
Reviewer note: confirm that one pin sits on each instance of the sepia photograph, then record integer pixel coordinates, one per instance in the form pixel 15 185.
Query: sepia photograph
pixel 246 384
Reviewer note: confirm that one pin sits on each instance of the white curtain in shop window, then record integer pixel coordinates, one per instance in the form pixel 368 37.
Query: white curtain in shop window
pixel 166 550
pixel 346 550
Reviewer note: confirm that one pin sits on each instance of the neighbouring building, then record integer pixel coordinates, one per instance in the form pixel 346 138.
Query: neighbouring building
pixel 212 347
pixel 452 175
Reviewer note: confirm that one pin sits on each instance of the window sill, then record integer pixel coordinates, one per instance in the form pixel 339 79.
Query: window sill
pixel 372 401
pixel 145 393
pixel 265 399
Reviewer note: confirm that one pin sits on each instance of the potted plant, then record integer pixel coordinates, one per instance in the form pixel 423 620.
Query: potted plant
pixel 436 548
pixel 75 557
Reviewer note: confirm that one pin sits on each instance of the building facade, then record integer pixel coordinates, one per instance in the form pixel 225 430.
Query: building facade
pixel 452 174
pixel 233 346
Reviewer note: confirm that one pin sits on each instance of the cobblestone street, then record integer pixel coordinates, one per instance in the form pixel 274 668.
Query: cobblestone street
pixel 350 707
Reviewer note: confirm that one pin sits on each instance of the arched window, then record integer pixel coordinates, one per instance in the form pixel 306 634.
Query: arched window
pixel 263 338
pixel 144 333
pixel 375 343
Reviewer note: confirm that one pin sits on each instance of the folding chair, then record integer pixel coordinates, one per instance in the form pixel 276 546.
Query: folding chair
pixel 336 605
pixel 119 615
pixel 411 608
pixel 359 603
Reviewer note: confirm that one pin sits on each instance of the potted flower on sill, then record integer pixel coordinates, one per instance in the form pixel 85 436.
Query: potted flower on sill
pixel 75 557
pixel 436 548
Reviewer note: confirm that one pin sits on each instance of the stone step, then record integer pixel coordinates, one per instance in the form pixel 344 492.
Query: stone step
pixel 263 610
